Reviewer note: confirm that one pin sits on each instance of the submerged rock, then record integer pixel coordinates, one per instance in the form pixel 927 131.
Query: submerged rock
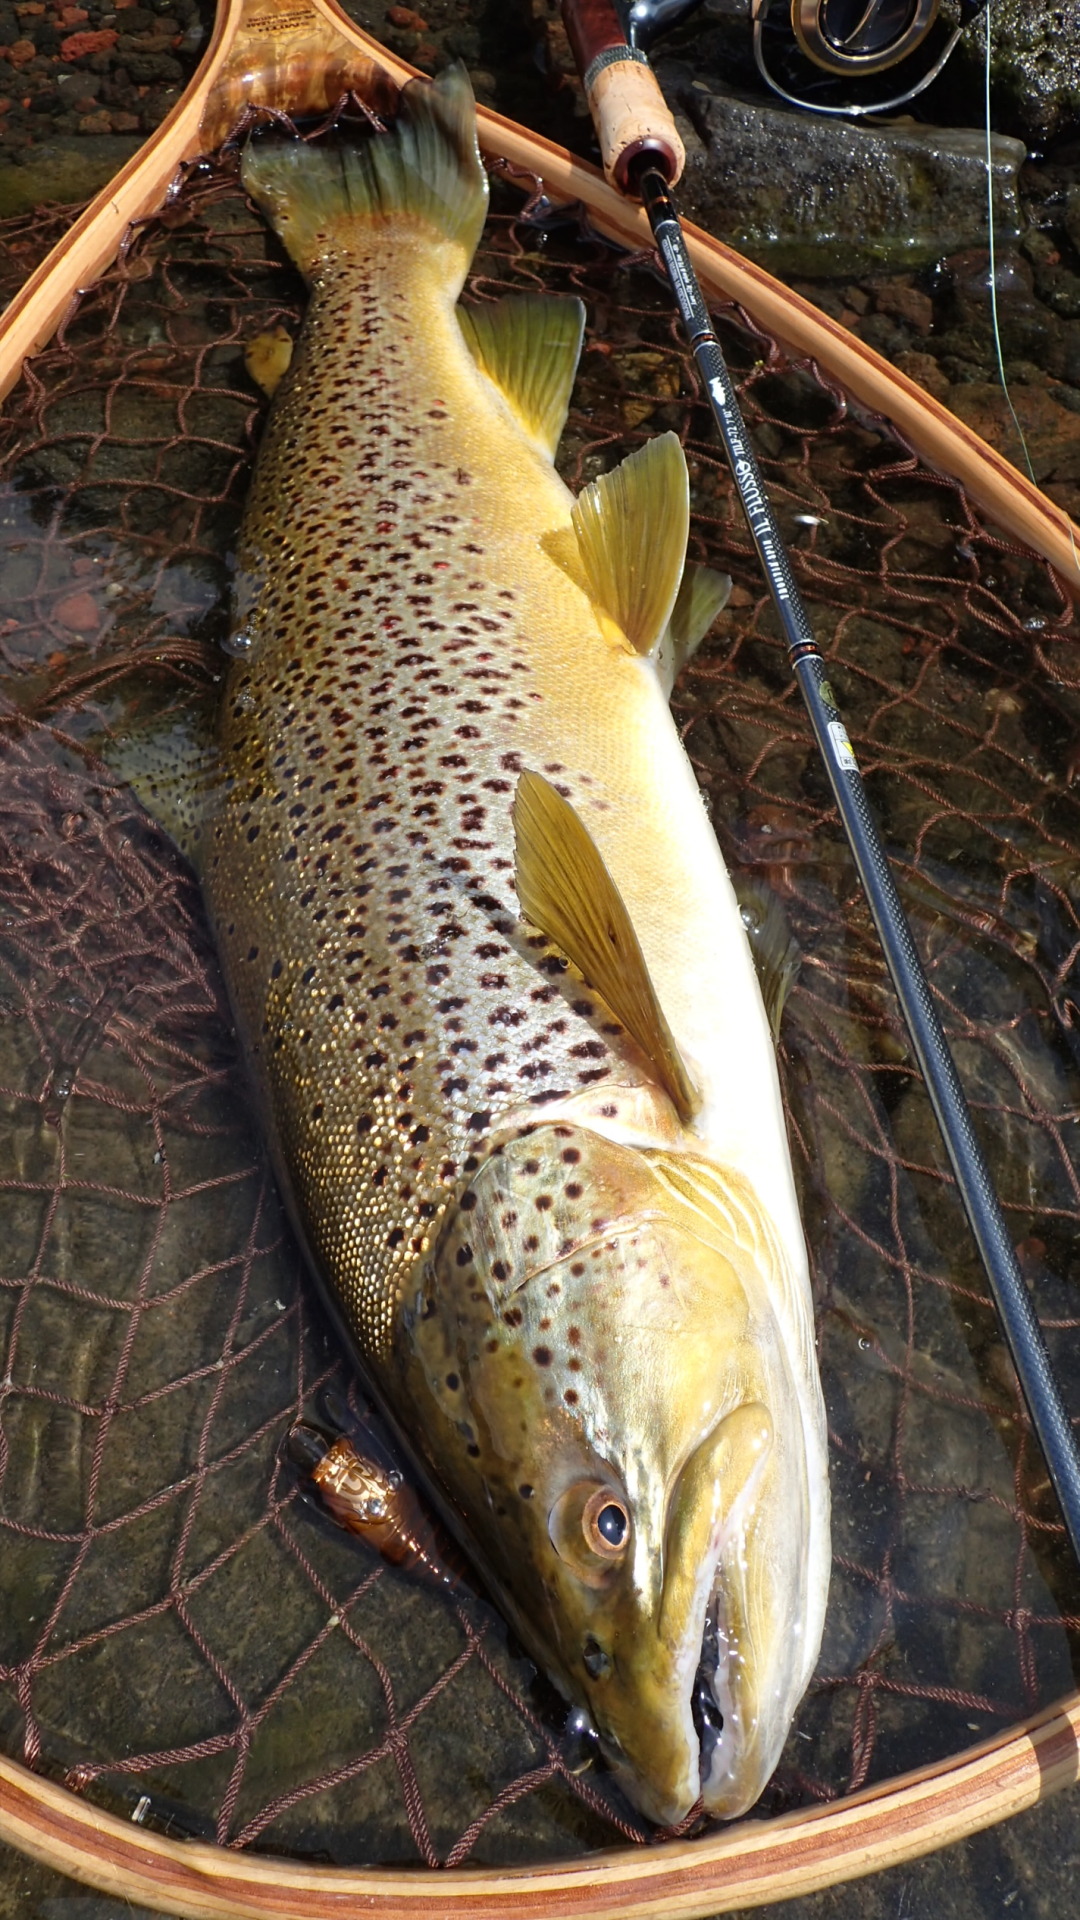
pixel 1051 432
pixel 62 170
pixel 805 194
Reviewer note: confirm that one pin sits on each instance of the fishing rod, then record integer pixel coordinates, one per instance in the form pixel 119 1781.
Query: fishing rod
pixel 643 155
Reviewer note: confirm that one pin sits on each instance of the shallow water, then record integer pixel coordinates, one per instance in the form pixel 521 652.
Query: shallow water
pixel 157 1327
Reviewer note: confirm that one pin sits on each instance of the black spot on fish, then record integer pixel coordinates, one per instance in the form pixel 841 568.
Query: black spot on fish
pixel 542 1356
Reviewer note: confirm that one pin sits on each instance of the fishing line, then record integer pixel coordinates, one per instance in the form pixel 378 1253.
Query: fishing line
pixel 993 268
pixel 993 255
pixel 642 153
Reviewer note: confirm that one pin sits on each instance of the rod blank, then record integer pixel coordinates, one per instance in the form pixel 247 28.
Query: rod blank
pixel 981 1204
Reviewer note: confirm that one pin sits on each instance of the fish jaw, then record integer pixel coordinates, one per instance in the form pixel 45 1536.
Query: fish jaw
pixel 575 1351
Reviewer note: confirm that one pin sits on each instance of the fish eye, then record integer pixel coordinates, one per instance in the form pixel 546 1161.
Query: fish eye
pixel 589 1526
pixel 612 1523
pixel 605 1524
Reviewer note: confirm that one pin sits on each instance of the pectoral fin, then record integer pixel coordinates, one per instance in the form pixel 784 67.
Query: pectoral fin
pixel 632 527
pixel 268 357
pixel 566 890
pixel 529 345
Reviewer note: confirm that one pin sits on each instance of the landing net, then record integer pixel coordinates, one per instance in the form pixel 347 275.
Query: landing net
pixel 183 1638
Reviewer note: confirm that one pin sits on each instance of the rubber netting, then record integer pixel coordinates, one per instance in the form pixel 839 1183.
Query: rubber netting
pixel 182 1636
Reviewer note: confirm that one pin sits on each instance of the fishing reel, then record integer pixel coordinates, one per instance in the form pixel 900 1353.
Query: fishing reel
pixel 809 51
pixel 828 56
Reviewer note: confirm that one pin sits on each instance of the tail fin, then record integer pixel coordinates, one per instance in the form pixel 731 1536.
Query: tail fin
pixel 427 169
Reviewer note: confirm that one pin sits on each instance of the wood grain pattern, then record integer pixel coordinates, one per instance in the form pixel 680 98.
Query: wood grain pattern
pixel 299 55
pixel 745 1865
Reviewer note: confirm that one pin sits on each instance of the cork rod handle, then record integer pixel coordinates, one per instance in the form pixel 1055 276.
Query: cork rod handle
pixel 632 119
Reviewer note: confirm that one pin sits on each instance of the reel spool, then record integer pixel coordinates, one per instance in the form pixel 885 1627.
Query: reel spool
pixel 826 48
pixel 821 42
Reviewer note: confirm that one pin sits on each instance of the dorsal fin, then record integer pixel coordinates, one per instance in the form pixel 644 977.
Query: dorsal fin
pixel 173 767
pixel 566 890
pixel 631 528
pixel 702 593
pixel 529 345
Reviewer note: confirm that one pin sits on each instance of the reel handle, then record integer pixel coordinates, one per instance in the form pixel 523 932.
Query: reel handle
pixel 633 121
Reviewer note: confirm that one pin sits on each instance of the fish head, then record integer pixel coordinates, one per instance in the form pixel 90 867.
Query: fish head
pixel 606 1396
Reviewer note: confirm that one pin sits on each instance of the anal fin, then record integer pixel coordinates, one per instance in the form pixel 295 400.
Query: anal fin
pixel 632 526
pixel 529 345
pixel 566 890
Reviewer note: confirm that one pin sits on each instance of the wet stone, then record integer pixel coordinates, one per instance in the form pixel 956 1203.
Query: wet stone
pixel 1051 431
pixel 1034 66
pixel 803 194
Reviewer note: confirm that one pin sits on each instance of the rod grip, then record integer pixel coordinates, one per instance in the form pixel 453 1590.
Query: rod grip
pixel 633 121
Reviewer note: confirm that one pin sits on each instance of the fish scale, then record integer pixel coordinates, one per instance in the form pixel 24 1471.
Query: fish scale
pixel 374 775
pixel 494 984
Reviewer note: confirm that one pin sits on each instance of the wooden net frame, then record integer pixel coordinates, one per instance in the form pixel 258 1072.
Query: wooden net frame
pixel 794 1852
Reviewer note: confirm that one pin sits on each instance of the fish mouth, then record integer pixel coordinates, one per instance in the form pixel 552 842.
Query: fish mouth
pixel 708 1694
pixel 704 1609
pixel 723 1718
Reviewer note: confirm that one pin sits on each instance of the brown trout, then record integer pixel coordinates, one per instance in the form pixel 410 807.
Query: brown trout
pixel 494 983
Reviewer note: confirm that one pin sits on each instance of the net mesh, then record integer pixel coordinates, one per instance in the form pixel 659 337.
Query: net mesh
pixel 182 1635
